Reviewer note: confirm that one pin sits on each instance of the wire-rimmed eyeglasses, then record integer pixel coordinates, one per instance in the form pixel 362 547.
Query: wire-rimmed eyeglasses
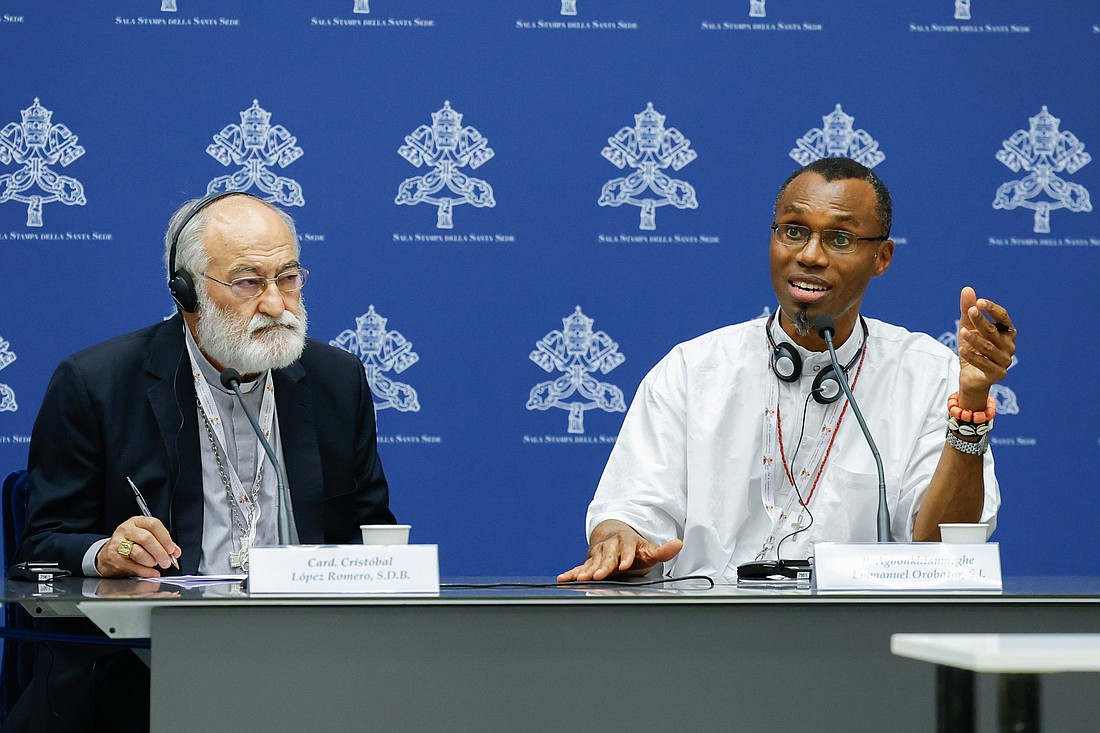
pixel 797 236
pixel 250 287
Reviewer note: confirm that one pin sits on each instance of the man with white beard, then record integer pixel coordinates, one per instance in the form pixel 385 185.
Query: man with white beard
pixel 149 407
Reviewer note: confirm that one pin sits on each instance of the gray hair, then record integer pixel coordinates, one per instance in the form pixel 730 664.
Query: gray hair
pixel 191 256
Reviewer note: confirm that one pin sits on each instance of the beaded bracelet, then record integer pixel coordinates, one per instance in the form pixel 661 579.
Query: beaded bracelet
pixel 971 416
pixel 970 422
pixel 966 428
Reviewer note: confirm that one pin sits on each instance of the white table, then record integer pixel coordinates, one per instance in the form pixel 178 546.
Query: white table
pixel 1018 658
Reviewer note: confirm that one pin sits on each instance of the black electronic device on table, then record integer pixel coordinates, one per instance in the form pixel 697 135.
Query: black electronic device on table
pixel 775 570
pixel 37 571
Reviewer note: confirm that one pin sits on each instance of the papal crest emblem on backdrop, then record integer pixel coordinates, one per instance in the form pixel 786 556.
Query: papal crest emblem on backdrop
pixel 757 9
pixel 36 144
pixel 568 7
pixel 382 351
pixel 1044 151
pixel 962 9
pixel 255 146
pixel 578 353
pixel 650 149
pixel 7 394
pixel 837 138
pixel 446 148
pixel 168 6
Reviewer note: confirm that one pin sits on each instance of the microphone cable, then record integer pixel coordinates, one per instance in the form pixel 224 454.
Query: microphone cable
pixel 794 484
pixel 176 443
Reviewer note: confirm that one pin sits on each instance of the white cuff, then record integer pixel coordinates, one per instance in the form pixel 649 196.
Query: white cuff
pixel 88 563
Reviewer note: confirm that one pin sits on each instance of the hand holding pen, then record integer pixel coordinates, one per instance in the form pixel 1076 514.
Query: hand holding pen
pixel 139 546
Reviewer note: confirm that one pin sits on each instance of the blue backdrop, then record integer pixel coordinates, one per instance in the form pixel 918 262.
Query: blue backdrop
pixel 513 208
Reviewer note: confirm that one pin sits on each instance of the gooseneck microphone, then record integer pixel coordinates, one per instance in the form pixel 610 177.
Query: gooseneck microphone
pixel 231 380
pixel 826 327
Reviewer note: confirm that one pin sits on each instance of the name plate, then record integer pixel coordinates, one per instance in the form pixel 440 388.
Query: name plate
pixel 911 567
pixel 343 569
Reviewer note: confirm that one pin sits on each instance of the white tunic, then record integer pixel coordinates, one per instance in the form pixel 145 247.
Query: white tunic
pixel 689 460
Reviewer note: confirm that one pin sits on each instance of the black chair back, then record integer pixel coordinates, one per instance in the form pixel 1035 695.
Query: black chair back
pixel 17 664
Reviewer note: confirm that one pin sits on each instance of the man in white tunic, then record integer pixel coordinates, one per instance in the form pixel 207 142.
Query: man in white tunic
pixel 740 446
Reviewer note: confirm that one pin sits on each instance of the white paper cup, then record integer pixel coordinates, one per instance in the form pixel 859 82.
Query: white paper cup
pixel 957 533
pixel 385 534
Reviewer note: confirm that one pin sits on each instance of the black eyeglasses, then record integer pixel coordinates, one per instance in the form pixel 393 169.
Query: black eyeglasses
pixel 797 236
pixel 250 287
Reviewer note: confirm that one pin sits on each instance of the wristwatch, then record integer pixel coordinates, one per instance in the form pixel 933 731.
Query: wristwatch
pixel 962 446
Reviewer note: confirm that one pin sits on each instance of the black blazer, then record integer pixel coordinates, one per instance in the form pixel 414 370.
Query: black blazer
pixel 126 407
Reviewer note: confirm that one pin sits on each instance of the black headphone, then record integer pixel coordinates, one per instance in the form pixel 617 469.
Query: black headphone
pixel 787 366
pixel 180 283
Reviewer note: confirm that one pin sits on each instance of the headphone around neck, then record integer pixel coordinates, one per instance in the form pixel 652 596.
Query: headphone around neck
pixel 180 282
pixel 787 366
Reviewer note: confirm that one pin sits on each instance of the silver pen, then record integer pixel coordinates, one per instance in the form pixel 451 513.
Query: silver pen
pixel 145 509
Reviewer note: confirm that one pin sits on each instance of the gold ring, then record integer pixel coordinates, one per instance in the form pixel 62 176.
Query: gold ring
pixel 125 548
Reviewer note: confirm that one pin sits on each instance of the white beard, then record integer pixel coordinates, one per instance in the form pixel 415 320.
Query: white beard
pixel 255 346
